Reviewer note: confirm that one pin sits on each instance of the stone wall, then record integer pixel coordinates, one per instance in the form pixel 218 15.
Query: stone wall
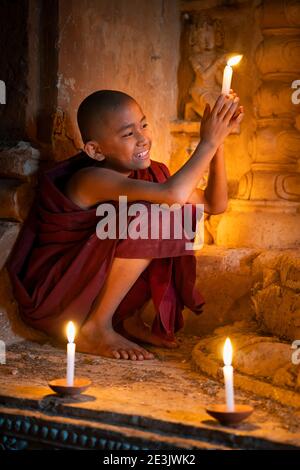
pixel 56 53
pixel 131 46
pixel 13 68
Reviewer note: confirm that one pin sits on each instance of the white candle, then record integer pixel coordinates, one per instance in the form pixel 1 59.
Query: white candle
pixel 70 354
pixel 227 75
pixel 228 375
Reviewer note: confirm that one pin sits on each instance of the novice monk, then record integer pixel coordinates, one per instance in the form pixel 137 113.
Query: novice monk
pixel 62 271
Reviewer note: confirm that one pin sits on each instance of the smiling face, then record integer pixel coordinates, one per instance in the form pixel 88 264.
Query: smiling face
pixel 123 139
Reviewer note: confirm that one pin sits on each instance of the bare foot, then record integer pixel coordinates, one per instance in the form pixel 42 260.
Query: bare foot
pixel 135 328
pixel 108 343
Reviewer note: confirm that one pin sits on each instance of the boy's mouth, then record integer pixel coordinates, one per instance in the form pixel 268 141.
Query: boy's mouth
pixel 142 155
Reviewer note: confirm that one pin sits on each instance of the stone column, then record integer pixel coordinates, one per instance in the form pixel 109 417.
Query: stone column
pixel 266 212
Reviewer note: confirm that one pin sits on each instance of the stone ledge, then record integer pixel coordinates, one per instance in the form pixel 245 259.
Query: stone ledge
pixel 186 127
pixel 38 430
pixel 226 259
pixel 262 364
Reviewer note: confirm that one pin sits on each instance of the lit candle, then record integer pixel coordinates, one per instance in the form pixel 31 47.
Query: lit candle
pixel 227 75
pixel 70 354
pixel 228 375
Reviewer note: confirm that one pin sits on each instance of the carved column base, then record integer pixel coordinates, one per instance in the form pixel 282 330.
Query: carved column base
pixel 271 185
pixel 260 224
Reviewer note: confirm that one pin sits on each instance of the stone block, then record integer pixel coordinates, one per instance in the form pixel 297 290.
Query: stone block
pixel 224 278
pixel 247 284
pixel 12 328
pixel 15 199
pixel 21 160
pixel 275 292
pixel 8 235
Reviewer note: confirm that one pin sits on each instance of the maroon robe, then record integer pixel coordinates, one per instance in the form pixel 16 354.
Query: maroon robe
pixel 58 265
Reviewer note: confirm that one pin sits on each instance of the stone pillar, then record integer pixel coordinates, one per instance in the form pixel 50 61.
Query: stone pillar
pixel 266 212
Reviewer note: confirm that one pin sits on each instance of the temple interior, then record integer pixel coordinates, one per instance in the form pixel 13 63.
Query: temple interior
pixel 169 55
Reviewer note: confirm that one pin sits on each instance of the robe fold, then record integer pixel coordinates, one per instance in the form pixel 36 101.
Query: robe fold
pixel 59 265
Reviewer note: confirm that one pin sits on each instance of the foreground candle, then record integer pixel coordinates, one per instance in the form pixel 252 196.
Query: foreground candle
pixel 227 75
pixel 228 375
pixel 70 354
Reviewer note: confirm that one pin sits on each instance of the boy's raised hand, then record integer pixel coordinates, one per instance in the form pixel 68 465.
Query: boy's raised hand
pixel 218 123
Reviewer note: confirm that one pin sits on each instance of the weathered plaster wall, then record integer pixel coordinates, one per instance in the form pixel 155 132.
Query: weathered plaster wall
pixel 13 68
pixel 129 45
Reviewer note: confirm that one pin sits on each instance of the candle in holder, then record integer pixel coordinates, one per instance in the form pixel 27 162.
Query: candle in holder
pixel 227 75
pixel 229 413
pixel 70 386
pixel 70 354
pixel 228 375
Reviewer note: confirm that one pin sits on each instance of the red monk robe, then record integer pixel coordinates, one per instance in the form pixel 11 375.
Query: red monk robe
pixel 58 265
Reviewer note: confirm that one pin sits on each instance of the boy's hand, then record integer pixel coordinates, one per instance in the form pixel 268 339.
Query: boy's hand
pixel 224 118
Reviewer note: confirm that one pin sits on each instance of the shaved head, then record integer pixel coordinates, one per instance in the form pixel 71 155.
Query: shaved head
pixel 93 111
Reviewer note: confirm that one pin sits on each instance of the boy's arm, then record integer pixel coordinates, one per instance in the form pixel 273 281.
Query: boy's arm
pixel 90 186
pixel 100 184
pixel 215 196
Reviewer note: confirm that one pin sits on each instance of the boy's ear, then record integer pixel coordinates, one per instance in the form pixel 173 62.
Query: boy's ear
pixel 93 150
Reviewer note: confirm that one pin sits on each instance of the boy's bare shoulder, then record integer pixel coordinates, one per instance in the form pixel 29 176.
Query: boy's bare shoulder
pixel 94 184
pixel 91 172
pixel 82 183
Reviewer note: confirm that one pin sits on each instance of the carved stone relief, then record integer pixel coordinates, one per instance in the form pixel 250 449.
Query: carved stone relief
pixel 207 58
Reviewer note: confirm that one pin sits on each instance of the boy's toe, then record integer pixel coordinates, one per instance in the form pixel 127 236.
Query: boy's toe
pixel 139 354
pixel 124 354
pixel 116 354
pixel 150 355
pixel 147 354
pixel 132 355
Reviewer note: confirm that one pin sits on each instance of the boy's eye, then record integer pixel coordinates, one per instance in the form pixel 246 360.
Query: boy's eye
pixel 131 133
pixel 127 135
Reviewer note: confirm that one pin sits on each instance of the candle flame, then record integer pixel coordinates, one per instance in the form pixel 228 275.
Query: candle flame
pixel 71 332
pixel 234 60
pixel 227 352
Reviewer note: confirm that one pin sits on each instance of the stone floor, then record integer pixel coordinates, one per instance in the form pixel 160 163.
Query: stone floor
pixel 158 404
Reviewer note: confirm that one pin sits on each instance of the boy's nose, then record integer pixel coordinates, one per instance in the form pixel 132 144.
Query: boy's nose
pixel 142 141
